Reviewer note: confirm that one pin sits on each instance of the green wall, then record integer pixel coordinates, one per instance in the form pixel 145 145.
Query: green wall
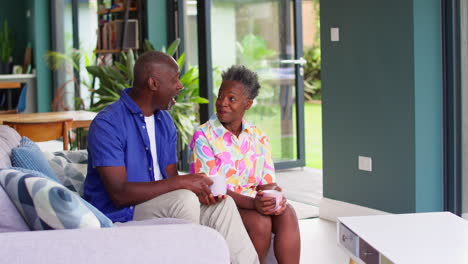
pixel 15 13
pixel 39 35
pixel 157 23
pixel 428 104
pixel 36 30
pixel 381 100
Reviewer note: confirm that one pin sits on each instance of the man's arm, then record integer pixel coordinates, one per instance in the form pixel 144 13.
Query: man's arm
pixel 124 193
pixel 171 170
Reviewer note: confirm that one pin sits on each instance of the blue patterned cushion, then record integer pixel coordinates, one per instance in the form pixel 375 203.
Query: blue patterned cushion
pixel 27 143
pixel 45 204
pixel 29 156
pixel 33 172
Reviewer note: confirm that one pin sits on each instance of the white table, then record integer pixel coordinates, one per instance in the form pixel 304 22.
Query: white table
pixel 426 238
pixel 31 94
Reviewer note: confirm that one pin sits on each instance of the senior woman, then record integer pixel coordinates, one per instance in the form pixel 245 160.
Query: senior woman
pixel 230 146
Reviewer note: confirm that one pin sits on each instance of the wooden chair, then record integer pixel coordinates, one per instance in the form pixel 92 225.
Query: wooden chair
pixel 6 97
pixel 43 131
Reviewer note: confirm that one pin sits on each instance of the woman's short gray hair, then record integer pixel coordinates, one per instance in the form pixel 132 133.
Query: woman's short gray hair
pixel 245 76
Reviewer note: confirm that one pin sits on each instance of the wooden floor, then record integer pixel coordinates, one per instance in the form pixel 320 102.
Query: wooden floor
pixel 318 243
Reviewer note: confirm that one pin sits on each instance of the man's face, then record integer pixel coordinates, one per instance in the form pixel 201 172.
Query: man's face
pixel 169 87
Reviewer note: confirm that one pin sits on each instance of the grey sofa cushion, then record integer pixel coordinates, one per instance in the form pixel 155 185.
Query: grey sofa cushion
pixel 188 243
pixel 9 139
pixel 11 220
pixel 155 221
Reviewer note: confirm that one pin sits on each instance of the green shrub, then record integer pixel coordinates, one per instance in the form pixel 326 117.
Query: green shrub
pixel 6 43
pixel 312 71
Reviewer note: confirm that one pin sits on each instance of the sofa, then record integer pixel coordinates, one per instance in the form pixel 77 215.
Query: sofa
pixel 150 241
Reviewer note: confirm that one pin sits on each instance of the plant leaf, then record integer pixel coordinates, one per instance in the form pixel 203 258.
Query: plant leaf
pixel 173 47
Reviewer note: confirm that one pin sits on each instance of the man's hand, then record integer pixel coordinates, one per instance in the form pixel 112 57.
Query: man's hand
pixel 264 205
pixel 211 199
pixel 220 197
pixel 199 184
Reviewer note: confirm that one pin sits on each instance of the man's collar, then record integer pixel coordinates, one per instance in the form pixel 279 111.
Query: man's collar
pixel 131 105
pixel 128 101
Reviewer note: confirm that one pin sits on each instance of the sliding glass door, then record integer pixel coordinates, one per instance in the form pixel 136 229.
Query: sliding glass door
pixel 265 36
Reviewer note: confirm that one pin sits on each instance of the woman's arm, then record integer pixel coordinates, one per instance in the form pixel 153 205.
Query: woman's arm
pixel 262 204
pixel 242 201
pixel 268 173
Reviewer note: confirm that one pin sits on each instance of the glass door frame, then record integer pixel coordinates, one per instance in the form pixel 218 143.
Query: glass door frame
pixel 452 110
pixel 206 69
pixel 57 39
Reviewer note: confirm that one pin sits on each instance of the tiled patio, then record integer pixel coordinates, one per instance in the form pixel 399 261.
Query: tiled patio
pixel 303 188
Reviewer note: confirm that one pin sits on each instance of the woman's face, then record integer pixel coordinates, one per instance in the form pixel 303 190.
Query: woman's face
pixel 232 102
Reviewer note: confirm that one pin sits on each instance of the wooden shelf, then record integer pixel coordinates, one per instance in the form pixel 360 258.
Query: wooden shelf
pixel 111 50
pixel 107 51
pixel 115 10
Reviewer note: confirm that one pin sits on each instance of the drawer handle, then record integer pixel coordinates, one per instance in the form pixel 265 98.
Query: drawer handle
pixel 368 253
pixel 344 238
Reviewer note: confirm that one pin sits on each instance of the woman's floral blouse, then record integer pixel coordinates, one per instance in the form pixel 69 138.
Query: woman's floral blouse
pixel 245 160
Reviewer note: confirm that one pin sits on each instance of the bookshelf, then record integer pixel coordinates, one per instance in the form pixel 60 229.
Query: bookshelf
pixel 102 51
pixel 119 26
pixel 115 10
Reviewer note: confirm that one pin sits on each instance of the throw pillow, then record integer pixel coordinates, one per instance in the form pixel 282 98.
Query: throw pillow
pixel 27 143
pixel 45 204
pixel 5 154
pixel 10 136
pixel 29 156
pixel 9 139
pixel 32 172
pixel 66 165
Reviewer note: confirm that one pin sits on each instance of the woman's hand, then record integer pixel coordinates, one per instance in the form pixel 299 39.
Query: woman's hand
pixel 284 206
pixel 269 186
pixel 271 211
pixel 264 205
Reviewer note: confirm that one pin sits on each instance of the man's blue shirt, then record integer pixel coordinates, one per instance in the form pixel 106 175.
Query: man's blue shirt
pixel 118 137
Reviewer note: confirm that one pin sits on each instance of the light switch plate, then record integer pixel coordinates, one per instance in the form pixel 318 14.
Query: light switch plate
pixel 365 163
pixel 335 34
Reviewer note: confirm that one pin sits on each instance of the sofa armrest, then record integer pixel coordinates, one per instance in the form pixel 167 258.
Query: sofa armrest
pixel 183 243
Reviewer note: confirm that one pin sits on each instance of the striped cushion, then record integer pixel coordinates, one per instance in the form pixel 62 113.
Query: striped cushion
pixel 45 204
pixel 29 156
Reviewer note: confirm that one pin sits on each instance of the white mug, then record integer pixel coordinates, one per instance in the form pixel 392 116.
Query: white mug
pixel 219 185
pixel 275 194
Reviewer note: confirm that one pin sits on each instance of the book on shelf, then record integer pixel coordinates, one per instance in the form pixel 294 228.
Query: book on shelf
pixel 110 34
pixel 132 37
